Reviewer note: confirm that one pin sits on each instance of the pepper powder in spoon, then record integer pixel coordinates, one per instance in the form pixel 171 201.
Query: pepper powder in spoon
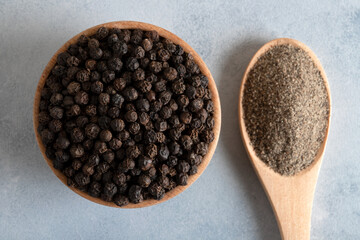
pixel 286 109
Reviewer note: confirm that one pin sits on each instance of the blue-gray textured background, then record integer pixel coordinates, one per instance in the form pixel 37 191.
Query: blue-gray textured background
pixel 227 201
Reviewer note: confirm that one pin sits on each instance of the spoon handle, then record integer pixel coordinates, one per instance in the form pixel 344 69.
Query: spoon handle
pixel 291 199
pixel 293 209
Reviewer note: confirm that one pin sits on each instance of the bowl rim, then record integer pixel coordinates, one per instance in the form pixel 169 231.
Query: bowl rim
pixel 204 70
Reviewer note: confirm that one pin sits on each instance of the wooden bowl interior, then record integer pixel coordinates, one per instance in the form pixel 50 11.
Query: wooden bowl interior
pixel 166 34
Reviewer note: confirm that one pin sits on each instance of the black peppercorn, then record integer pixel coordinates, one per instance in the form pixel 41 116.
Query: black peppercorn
pixel 207 136
pixel 81 121
pixel 90 65
pixel 150 136
pixel 134 128
pixel 144 118
pixel 156 191
pixel 163 54
pixel 139 52
pixel 132 152
pixel 69 172
pixel 56 112
pixel 135 194
pixel 182 179
pixel 109 156
pixel 151 150
pixel 174 148
pixel 101 66
pixel 136 36
pixel 119 178
pixel 95 189
pixel 56 99
pixel 102 33
pixel 196 105
pixel 170 73
pixel 77 135
pixel 72 61
pixel 83 76
pixel 110 189
pixel 132 64
pixel 130 94
pixel 100 147
pixel 76 151
pixel 95 76
pixel 182 101
pixel 144 180
pixel 131 116
pixel 193 170
pixel 183 167
pixel 119 84
pixel 81 179
pixel 155 66
pixel 58 70
pixel 70 75
pixel 93 43
pixel 144 163
pixel 123 135
pixel 165 112
pixel 194 159
pixel 120 48
pixel 117 125
pixel 163 152
pixel 151 96
pixel 104 98
pixel 81 98
pixel 115 144
pixel 164 181
pixel 105 135
pixel 147 44
pixel 44 118
pixel 202 115
pixel 55 125
pixel 73 88
pixel 92 130
pixel 61 157
pixel 93 160
pixel 175 134
pixel 96 53
pixel 121 200
pixel 88 170
pixel 62 142
pixel 108 76
pixel 161 125
pixel 127 164
pixel 143 105
pixel 62 57
pixel 103 167
pixel 172 162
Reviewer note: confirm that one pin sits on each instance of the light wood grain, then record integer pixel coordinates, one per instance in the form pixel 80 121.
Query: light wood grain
pixel 291 197
pixel 166 34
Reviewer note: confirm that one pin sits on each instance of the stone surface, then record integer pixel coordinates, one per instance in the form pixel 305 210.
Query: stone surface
pixel 227 202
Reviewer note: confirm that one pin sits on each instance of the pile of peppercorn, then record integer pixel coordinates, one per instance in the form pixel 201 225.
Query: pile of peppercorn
pixel 126 115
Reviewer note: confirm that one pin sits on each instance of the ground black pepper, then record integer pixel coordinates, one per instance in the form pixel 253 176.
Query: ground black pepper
pixel 286 109
pixel 126 115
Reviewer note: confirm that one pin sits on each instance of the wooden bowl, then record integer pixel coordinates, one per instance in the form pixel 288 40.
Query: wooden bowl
pixel 204 70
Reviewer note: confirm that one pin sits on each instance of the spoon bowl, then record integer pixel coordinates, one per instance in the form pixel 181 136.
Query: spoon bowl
pixel 204 70
pixel 291 197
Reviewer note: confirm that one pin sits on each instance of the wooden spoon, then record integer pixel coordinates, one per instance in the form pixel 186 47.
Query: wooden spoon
pixel 166 34
pixel 291 197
